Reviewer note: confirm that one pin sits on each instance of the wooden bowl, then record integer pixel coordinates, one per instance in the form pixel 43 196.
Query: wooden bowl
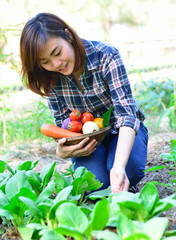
pixel 98 135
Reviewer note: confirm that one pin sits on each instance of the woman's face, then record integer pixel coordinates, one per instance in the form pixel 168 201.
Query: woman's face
pixel 58 56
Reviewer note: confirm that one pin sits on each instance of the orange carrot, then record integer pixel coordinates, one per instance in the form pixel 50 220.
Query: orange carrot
pixel 57 132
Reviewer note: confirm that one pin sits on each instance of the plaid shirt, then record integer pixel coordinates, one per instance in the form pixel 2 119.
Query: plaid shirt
pixel 105 83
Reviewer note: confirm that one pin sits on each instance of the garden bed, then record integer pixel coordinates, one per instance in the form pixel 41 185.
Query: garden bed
pixel 45 153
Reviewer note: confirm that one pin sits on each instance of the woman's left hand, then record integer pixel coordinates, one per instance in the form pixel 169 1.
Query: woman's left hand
pixel 84 148
pixel 118 180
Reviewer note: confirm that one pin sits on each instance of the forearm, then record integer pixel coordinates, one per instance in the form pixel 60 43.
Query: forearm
pixel 124 146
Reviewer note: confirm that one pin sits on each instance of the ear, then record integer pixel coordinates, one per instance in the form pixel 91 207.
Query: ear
pixel 69 34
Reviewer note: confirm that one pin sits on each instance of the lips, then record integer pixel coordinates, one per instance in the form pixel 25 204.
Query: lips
pixel 64 68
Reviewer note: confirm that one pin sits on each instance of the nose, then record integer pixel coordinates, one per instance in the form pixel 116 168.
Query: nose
pixel 56 63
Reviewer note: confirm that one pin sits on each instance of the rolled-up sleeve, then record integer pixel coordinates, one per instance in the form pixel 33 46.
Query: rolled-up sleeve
pixel 124 104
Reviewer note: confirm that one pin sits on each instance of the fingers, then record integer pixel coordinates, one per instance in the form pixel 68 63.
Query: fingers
pixel 87 149
pixel 117 186
pixel 60 147
pixel 115 189
pixel 83 142
pixel 62 141
pixel 126 184
pixel 118 180
pixel 84 148
pixel 92 145
pixel 86 144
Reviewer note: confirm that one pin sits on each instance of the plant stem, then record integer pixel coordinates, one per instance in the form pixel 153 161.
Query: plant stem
pixel 4 126
pixel 14 223
pixel 80 200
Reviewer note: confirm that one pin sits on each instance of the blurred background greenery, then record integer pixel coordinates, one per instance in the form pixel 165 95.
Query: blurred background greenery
pixel 144 31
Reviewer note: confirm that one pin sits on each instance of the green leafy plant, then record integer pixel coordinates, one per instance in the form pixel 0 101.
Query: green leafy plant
pixel 51 205
pixel 154 96
pixel 142 206
pixel 25 196
pixel 21 182
pixel 25 127
pixel 153 229
pixel 4 110
pixel 170 112
pixel 170 159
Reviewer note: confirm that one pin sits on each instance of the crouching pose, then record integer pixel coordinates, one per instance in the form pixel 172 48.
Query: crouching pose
pixel 75 73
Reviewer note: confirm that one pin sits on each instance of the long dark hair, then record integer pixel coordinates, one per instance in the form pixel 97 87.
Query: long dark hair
pixel 33 38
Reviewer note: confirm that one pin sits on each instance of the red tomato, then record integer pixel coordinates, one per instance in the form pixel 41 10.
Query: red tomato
pixel 87 116
pixel 75 126
pixel 75 115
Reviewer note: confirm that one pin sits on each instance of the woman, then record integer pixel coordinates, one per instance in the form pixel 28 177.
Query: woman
pixel 75 73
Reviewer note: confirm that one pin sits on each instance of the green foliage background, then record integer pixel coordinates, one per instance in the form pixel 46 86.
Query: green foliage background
pixel 132 26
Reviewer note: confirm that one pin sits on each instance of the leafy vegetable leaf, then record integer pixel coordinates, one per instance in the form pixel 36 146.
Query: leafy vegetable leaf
pixel 59 181
pixel 68 214
pixel 149 196
pixel 47 173
pixel 4 165
pixel 106 117
pixel 46 193
pixel 55 205
pixel 155 228
pixel 34 164
pixel 133 210
pixel 79 186
pixel 80 172
pixel 25 166
pixel 125 226
pixel 6 214
pixel 36 186
pixel 50 235
pixel 138 236
pixel 99 194
pixel 25 232
pixel 71 232
pixel 155 168
pixel 3 199
pixel 17 206
pixel 15 183
pixel 173 145
pixel 105 235
pixel 63 194
pixel 85 183
pixel 93 184
pixel 164 204
pixel 99 217
pixel 31 205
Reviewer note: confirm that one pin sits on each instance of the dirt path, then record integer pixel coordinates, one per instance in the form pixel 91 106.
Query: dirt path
pixel 158 143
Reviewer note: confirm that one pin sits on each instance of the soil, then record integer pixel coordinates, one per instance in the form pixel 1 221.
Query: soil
pixel 46 153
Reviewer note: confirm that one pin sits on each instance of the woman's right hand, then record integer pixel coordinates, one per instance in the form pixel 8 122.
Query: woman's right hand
pixel 79 150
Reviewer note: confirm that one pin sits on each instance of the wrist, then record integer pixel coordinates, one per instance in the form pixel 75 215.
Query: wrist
pixel 119 165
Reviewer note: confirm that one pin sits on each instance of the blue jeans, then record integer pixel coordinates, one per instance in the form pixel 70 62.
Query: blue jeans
pixel 102 159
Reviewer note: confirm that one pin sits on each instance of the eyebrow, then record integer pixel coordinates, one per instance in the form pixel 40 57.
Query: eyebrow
pixel 50 53
pixel 53 51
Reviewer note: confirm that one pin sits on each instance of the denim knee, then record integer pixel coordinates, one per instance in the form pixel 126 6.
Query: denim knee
pixel 96 164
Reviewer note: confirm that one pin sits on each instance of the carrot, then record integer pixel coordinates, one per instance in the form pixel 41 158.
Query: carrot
pixel 57 132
